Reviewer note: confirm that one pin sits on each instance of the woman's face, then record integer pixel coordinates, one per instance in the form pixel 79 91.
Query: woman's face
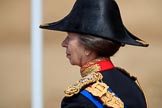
pixel 75 52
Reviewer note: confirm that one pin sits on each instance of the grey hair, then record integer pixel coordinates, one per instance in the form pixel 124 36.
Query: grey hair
pixel 102 47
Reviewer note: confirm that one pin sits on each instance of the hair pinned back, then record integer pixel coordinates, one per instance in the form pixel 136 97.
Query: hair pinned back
pixel 102 47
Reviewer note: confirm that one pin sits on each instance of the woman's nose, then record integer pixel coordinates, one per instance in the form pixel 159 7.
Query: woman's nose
pixel 64 43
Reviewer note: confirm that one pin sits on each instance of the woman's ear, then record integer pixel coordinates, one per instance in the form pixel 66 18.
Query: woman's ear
pixel 87 52
pixel 90 53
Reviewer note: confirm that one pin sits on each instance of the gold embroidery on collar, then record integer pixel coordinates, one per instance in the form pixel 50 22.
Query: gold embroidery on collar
pixel 91 67
pixel 76 87
pixel 100 90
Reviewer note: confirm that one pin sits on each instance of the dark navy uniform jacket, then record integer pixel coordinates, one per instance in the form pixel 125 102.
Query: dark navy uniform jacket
pixel 120 83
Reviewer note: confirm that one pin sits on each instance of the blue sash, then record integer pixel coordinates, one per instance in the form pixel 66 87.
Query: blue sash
pixel 94 100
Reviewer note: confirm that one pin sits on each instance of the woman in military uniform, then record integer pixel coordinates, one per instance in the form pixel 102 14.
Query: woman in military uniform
pixel 95 32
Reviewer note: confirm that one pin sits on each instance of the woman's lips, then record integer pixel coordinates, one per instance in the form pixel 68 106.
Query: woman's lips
pixel 67 55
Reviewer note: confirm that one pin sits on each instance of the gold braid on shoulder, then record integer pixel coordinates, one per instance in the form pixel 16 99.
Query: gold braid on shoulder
pixel 76 87
pixel 97 89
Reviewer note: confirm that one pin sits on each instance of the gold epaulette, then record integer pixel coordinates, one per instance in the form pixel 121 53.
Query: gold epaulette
pixel 100 90
pixel 76 87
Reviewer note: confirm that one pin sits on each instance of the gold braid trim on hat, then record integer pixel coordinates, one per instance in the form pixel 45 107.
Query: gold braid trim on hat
pixel 76 87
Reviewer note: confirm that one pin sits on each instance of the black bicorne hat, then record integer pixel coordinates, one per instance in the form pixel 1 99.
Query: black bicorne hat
pixel 100 18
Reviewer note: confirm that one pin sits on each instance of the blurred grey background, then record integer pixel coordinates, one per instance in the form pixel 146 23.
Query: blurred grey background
pixel 142 17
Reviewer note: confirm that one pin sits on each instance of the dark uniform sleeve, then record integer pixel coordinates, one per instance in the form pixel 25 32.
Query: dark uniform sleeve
pixel 77 101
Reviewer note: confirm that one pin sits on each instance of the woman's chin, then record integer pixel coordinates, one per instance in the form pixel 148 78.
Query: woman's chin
pixel 73 63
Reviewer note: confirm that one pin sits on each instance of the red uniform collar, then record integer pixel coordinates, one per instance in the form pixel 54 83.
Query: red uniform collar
pixel 96 65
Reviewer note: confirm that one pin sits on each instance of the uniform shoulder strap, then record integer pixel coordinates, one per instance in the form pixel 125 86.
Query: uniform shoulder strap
pixel 127 73
pixel 130 76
